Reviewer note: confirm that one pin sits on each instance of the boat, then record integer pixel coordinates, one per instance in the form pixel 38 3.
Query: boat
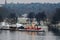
pixel 31 30
pixel 20 27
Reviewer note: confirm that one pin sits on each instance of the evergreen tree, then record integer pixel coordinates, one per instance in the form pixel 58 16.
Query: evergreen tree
pixel 31 15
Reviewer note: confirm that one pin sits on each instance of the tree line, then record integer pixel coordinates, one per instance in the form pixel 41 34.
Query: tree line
pixel 40 16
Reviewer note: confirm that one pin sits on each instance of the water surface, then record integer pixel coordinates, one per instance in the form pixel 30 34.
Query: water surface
pixel 17 35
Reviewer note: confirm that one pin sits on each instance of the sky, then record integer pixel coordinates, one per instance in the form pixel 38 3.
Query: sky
pixel 30 1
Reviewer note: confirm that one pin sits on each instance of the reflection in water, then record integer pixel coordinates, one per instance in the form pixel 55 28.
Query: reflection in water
pixel 33 37
pixel 17 35
pixel 0 31
pixel 35 33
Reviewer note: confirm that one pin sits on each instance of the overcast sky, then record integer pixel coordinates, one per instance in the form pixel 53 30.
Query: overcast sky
pixel 30 1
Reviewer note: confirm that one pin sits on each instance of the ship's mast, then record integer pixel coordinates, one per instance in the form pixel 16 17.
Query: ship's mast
pixel 5 2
